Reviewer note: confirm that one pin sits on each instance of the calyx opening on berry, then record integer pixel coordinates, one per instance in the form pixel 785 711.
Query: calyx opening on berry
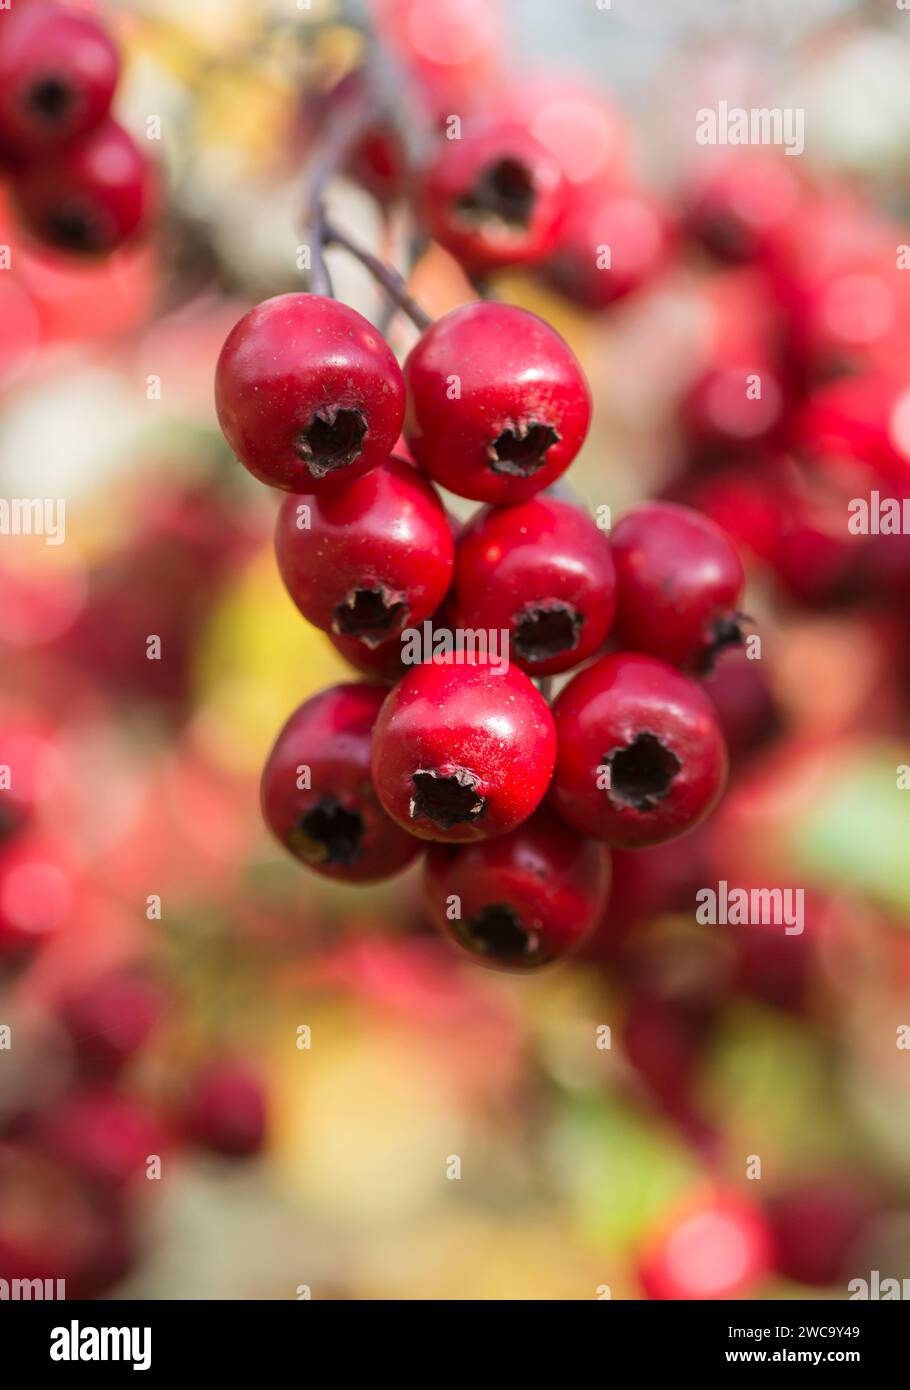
pixel 521 449
pixel 497 931
pixel 332 440
pixel 546 630
pixel 50 98
pixel 75 227
pixel 642 772
pixel 726 632
pixel 370 614
pixel 446 798
pixel 503 191
pixel 328 833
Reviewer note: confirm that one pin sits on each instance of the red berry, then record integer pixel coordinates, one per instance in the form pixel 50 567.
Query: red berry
pixel 90 197
pixel 613 241
pixel 58 72
pixel 29 769
pixel 715 1247
pixel 110 1020
pixel 334 823
pixel 522 900
pixel 104 1134
pixel 308 393
pixel 463 752
pixel 740 206
pixel 641 755
pixel 368 560
pixel 37 895
pixel 494 197
pixel 226 1110
pixel 498 405
pixel 736 401
pixel 541 570
pixel 382 663
pixel 745 704
pixel 679 580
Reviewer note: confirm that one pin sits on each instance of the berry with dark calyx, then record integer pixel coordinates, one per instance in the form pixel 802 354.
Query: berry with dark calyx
pixel 37 895
pixel 104 1134
pixel 679 583
pixel 381 663
pixel 370 559
pixel 58 72
pixel 308 393
pixel 463 751
pixel 542 571
pixel 614 240
pixel 523 900
pixel 641 757
pixel 89 198
pixel 494 197
pixel 109 1020
pixel 740 206
pixel 317 796
pixel 226 1109
pixel 498 405
pixel 715 1246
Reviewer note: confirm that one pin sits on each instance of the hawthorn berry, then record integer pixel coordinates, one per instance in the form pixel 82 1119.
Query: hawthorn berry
pixel 817 1225
pixel 498 405
pixel 714 1247
pixel 317 796
pixel 109 1020
pixel 614 240
pixel 37 894
pixel 58 72
pixel 679 582
pixel 641 757
pixel 522 900
pixel 543 571
pixel 740 207
pixel 368 560
pixel 494 197
pixel 226 1109
pixel 463 751
pixel 91 196
pixel 308 393
pixel 104 1134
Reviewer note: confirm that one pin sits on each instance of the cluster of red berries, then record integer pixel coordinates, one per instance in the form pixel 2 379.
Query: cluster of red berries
pixel 522 800
pixel 78 179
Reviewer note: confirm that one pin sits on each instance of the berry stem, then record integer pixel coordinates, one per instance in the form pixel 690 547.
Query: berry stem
pixel 341 137
pixel 392 283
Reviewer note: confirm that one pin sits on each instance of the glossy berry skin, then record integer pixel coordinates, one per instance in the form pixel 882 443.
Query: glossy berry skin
pixel 89 198
pixel 110 1020
pixel 463 752
pixel 226 1109
pixel 498 405
pixel 336 825
pixel 368 560
pixel 58 72
pixel 308 393
pixel 525 899
pixel 542 571
pixel 715 1247
pixel 653 735
pixel 494 197
pixel 616 219
pixel 679 583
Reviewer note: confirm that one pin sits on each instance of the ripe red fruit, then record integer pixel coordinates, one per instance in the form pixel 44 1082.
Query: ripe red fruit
pixel 226 1109
pixel 368 560
pixel 679 581
pixel 641 756
pixel 28 750
pixel 90 197
pixel 37 894
pixel 740 206
pixel 614 240
pixel 335 823
pixel 58 72
pixel 817 1225
pixel 737 401
pixel 308 393
pixel 543 571
pixel 104 1134
pixel 715 1247
pixel 522 900
pixel 745 704
pixel 498 405
pixel 494 197
pixel 463 752
pixel 109 1020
